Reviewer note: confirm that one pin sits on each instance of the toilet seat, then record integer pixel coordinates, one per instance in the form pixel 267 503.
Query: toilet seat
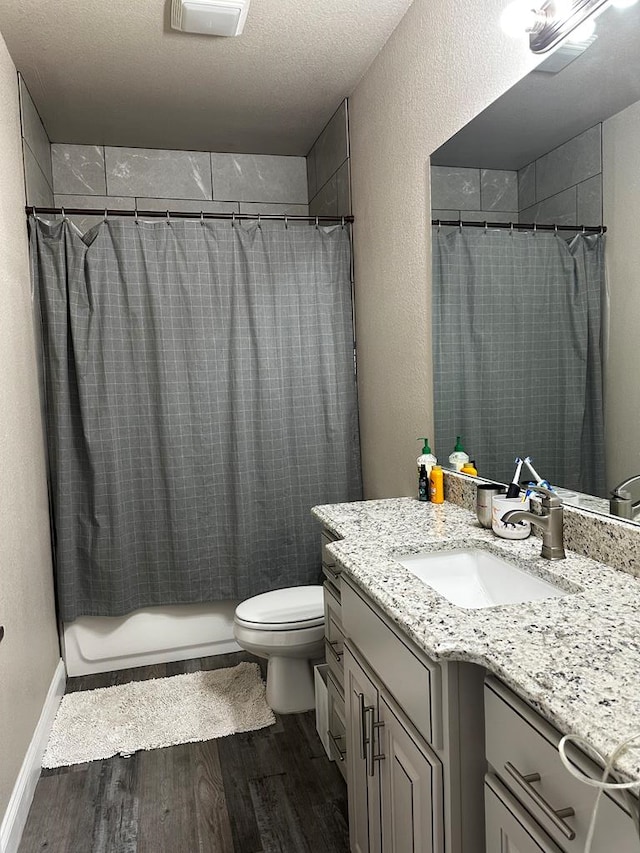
pixel 293 608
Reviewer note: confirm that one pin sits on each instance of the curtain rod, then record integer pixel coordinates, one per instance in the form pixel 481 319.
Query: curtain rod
pixel 177 214
pixel 520 226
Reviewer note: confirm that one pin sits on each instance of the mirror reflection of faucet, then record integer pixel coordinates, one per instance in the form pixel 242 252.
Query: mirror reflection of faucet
pixel 622 503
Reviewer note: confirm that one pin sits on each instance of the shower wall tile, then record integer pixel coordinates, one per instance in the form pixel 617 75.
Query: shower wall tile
pixel 34 134
pixel 331 148
pixel 559 209
pixel 498 190
pixel 94 201
pixel 188 205
pixel 569 164
pixel 490 215
pixel 455 188
pixel 255 208
pixel 325 202
pixel 445 214
pixel 259 177
pixel 527 186
pixel 38 191
pixel 312 180
pixel 157 173
pixel 343 189
pixel 590 201
pixel 78 169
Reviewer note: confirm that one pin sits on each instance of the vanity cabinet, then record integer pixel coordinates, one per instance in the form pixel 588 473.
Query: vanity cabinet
pixel 532 802
pixel 415 744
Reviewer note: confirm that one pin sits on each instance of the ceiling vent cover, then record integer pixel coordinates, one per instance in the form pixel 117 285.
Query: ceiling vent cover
pixel 209 17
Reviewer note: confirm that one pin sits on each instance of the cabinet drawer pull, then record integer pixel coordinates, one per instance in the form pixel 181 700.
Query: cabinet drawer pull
pixel 554 815
pixel 333 574
pixel 333 740
pixel 337 655
pixel 362 710
pixel 371 728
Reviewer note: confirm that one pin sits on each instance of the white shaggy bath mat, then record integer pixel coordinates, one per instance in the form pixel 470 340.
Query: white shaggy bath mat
pixel 93 724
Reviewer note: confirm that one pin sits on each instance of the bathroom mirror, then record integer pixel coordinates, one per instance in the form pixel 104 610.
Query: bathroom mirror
pixel 561 147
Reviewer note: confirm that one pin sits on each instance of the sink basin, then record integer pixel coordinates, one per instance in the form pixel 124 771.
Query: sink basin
pixel 474 578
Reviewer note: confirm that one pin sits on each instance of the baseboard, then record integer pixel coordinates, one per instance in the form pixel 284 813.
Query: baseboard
pixel 15 817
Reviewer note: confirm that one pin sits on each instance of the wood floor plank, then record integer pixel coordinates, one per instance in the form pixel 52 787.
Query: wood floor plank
pixel 254 792
pixel 212 817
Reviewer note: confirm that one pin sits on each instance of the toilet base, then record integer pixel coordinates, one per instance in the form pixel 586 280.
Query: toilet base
pixel 290 687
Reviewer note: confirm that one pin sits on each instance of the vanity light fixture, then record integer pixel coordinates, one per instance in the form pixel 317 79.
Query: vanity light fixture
pixel 554 20
pixel 209 17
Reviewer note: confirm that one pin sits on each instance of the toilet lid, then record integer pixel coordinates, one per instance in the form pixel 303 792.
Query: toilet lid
pixel 281 609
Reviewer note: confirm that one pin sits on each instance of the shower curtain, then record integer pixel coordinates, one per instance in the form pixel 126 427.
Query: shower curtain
pixel 518 352
pixel 200 399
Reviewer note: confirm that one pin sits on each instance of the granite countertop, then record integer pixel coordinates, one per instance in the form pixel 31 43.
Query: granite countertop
pixel 576 659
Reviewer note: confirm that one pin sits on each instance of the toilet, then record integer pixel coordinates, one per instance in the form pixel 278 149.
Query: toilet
pixel 285 626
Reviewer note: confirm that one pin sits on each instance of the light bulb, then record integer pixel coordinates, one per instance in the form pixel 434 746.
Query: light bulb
pixel 583 32
pixel 519 18
pixel 623 4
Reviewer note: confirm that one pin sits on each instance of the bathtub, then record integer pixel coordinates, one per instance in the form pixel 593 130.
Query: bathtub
pixel 151 635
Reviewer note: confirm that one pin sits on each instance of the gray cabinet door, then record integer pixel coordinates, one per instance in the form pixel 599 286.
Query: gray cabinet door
pixel 363 788
pixel 509 826
pixel 412 793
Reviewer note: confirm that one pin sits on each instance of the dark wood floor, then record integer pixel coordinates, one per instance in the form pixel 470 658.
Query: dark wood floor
pixel 258 792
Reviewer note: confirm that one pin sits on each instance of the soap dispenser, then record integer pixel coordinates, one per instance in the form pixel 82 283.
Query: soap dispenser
pixel 458 458
pixel 426 458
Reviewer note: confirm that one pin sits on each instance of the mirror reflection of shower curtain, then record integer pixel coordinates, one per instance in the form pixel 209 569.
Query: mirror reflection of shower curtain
pixel 517 348
pixel 200 400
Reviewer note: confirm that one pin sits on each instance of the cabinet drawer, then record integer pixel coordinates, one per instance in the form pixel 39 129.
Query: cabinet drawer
pixel 509 824
pixel 337 729
pixel 333 633
pixel 414 682
pixel 327 539
pixel 520 743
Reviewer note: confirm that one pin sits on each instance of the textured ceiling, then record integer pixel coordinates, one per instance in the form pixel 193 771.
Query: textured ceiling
pixel 113 72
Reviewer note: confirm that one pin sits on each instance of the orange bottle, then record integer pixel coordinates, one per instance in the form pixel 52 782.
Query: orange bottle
pixel 436 485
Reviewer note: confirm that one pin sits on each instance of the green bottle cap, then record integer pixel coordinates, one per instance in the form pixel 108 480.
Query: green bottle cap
pixel 458 448
pixel 426 449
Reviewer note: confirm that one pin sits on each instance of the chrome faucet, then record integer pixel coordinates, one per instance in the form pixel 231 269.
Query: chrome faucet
pixel 621 503
pixel 550 522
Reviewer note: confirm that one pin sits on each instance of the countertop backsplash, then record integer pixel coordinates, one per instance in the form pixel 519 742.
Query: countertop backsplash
pixel 605 539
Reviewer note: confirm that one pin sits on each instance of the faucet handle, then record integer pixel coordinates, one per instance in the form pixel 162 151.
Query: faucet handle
pixel 550 499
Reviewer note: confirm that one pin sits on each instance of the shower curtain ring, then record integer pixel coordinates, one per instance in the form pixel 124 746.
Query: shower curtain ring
pixel 286 224
pixel 511 228
pixel 535 227
pixel 439 224
pixel 460 225
pixel 233 218
pixel 555 229
pixel 105 215
pixel 202 217
pixel 168 216
pixel 343 223
pixel 485 226
pixel 135 210
pixel 316 223
pixel 584 230
pixel 259 223
pixel 64 215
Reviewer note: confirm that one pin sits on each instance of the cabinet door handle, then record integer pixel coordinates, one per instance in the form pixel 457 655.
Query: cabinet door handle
pixel 554 815
pixel 361 722
pixel 330 570
pixel 371 727
pixel 337 655
pixel 334 743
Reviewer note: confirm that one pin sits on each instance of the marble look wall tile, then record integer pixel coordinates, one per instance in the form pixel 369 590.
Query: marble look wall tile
pixel 255 208
pixel 332 146
pixel 325 202
pixel 560 209
pixel 527 186
pixel 188 205
pixel 453 187
pixel 490 215
pixel 570 163
pixel 590 201
pixel 312 180
pixel 498 189
pixel 94 201
pixel 343 189
pixel 259 178
pixel 38 192
pixel 78 169
pixel 157 173
pixel 34 133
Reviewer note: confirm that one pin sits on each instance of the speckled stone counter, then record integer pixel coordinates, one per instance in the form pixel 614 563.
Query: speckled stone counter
pixel 576 659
